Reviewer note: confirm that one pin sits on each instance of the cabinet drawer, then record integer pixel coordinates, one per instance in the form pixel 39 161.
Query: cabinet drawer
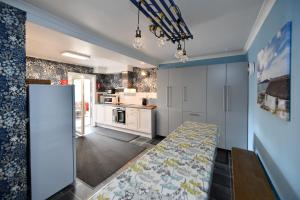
pixel 194 116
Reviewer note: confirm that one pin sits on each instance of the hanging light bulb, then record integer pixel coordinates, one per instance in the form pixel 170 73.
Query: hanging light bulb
pixel 179 51
pixel 138 42
pixel 162 39
pixel 184 58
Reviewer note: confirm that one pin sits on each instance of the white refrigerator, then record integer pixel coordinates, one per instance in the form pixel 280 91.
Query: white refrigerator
pixel 52 139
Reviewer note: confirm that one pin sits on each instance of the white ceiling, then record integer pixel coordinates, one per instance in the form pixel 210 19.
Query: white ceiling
pixel 218 26
pixel 44 43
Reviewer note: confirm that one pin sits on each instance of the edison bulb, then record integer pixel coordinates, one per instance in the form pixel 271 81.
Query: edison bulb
pixel 161 42
pixel 138 42
pixel 178 54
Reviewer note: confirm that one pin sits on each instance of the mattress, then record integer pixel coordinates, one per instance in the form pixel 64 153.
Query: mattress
pixel 179 168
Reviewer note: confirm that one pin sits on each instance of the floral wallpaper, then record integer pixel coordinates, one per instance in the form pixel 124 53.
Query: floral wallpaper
pixel 51 70
pixel 13 135
pixel 144 80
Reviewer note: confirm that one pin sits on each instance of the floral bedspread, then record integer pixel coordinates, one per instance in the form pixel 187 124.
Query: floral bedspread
pixel 178 168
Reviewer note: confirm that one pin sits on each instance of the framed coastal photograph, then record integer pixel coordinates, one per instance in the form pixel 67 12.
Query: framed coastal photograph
pixel 274 74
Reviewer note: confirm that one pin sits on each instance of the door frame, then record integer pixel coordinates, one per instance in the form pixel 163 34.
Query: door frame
pixel 75 75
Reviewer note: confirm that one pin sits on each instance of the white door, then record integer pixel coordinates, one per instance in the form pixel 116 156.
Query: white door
pixel 162 111
pixel 175 98
pixel 194 89
pixel 216 81
pixel 237 105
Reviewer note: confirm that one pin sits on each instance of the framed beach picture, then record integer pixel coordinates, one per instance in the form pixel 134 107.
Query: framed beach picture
pixel 274 74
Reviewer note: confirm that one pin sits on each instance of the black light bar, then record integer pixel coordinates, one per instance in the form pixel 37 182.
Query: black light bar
pixel 171 23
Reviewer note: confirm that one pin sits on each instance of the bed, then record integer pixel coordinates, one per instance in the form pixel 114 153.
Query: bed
pixel 179 167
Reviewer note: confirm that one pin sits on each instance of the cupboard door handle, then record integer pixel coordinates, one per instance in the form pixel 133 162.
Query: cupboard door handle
pixel 167 97
pixel 224 98
pixel 228 99
pixel 195 114
pixel 170 96
pixel 184 93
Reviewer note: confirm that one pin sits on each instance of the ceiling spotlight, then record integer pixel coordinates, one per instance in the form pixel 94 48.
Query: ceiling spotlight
pixel 138 42
pixel 75 55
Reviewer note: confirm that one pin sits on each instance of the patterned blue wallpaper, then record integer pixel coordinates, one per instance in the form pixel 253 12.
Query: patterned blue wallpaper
pixel 13 136
pixel 50 70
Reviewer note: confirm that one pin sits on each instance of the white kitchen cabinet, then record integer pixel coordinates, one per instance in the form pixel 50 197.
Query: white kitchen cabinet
pixel 162 111
pixel 175 98
pixel 214 94
pixel 100 113
pixel 227 94
pixel 216 81
pixel 194 89
pixel 108 115
pixel 144 122
pixel 194 116
pixel 132 118
pixel 237 105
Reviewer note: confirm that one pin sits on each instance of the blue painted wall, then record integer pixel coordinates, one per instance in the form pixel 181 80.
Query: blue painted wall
pixel 13 135
pixel 211 61
pixel 276 140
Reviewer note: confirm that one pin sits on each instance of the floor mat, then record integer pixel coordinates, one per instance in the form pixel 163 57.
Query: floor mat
pixel 126 137
pixel 98 157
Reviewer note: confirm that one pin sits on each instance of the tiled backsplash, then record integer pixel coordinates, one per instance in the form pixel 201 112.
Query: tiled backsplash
pixel 137 98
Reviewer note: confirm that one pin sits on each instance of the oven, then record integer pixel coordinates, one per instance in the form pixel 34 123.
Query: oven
pixel 119 115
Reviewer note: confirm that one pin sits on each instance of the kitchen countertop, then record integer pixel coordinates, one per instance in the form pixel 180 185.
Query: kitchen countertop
pixel 150 107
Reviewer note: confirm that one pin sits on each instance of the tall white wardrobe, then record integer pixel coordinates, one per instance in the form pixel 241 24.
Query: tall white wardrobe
pixel 214 94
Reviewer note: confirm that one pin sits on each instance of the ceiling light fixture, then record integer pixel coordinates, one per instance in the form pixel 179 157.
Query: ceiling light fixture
pixel 179 52
pixel 184 58
pixel 75 55
pixel 138 42
pixel 167 24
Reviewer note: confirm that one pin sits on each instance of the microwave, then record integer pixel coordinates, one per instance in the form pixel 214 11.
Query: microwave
pixel 110 100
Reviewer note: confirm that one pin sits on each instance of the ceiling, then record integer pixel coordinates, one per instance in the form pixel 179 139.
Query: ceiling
pixel 47 44
pixel 218 26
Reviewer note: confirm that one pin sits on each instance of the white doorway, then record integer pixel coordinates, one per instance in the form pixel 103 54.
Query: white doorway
pixel 85 85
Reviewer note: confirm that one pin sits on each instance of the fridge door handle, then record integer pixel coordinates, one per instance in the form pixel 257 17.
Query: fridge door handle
pixel 224 98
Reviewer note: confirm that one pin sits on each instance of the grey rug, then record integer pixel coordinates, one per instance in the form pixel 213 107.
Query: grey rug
pixel 126 137
pixel 98 157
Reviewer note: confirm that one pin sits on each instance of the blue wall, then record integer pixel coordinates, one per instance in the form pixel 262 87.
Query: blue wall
pixel 13 136
pixel 276 140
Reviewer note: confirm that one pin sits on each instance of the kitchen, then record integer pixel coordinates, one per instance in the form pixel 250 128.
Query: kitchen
pixel 149 99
